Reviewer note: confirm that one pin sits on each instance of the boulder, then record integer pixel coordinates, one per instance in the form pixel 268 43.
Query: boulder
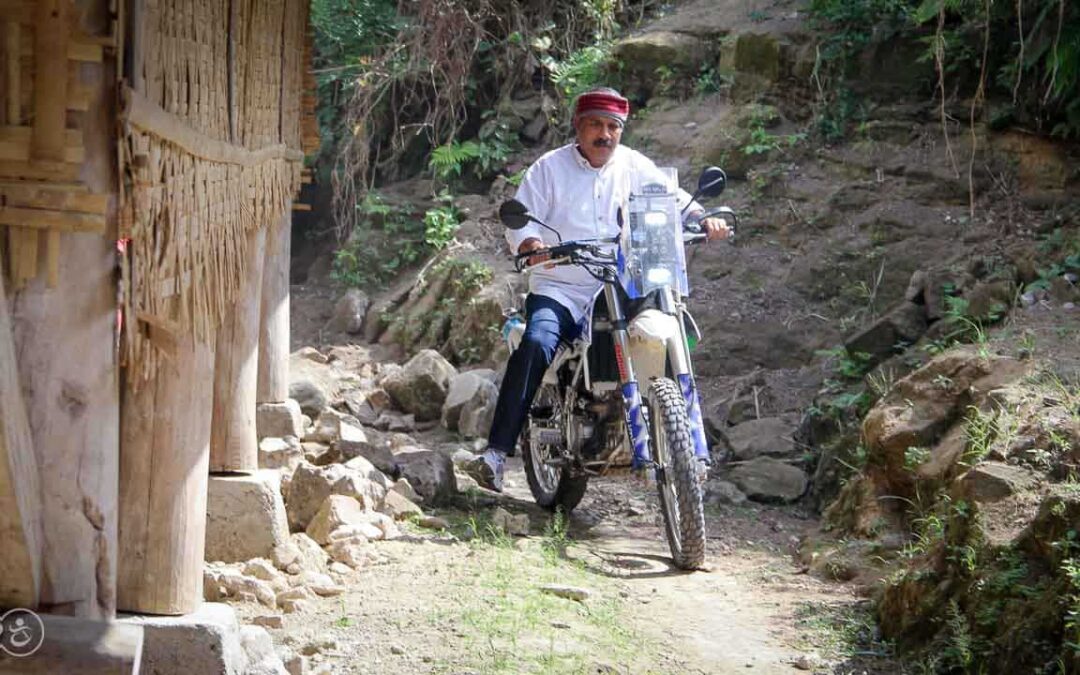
pixel 204 641
pixel 349 312
pixel 405 489
pixel 336 511
pixel 280 453
pixel 311 485
pixel 279 420
pixel 245 517
pixel 420 387
pixel 327 427
pixel 399 507
pixel 723 492
pixel 396 422
pixel 994 481
pixel 312 557
pixel 513 525
pixel 259 649
pixel 767 480
pixel 369 471
pixel 313 383
pixel 366 444
pixel 478 414
pixel 904 324
pixel 430 473
pixel 465 389
pixel 646 58
pixel 769 436
pixel 224 581
pixel 353 551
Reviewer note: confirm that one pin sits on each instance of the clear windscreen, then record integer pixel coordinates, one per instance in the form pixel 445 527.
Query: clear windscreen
pixel 652 244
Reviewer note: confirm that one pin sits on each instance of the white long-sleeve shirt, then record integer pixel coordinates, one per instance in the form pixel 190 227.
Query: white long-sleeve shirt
pixel 580 202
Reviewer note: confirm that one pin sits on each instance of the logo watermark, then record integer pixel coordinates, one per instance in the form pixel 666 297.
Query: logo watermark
pixel 21 632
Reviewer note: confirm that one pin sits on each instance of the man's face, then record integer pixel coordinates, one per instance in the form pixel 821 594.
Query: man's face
pixel 598 136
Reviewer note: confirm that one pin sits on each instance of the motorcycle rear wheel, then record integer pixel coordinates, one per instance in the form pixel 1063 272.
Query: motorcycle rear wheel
pixel 676 476
pixel 552 487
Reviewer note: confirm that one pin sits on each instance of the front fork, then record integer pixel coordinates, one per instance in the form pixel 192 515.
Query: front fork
pixel 631 394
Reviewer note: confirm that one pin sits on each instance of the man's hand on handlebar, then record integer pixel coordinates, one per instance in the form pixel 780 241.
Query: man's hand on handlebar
pixel 715 228
pixel 534 244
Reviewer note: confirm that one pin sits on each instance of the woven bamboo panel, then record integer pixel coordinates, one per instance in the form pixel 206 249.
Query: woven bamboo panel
pixel 40 154
pixel 211 150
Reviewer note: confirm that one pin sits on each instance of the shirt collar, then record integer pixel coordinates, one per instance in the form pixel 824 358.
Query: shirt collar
pixel 584 163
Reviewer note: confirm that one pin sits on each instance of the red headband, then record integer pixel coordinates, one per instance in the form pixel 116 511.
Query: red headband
pixel 602 103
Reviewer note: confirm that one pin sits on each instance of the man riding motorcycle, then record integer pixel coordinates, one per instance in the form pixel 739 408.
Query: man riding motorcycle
pixel 576 189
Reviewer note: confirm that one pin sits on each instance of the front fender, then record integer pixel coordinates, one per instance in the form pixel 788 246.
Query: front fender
pixel 651 332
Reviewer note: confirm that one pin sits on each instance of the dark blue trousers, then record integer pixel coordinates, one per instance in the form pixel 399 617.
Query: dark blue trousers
pixel 548 324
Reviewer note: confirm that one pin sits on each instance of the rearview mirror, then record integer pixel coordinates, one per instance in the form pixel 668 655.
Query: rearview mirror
pixel 712 182
pixel 514 215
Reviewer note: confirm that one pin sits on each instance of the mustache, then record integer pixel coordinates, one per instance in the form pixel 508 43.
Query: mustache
pixel 601 143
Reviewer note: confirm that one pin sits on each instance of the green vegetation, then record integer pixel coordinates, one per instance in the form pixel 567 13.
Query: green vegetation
pixel 1025 53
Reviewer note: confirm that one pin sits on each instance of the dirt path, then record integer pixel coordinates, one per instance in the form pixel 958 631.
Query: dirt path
pixel 470 600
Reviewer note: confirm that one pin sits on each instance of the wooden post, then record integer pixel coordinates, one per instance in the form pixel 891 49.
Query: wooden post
pixel 64 338
pixel 233 441
pixel 164 459
pixel 274 323
pixel 20 497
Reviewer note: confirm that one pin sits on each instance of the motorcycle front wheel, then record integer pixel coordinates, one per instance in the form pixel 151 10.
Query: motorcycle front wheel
pixel 553 487
pixel 676 474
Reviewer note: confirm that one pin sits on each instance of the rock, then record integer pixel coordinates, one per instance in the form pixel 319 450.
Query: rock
pixel 206 640
pixel 369 445
pixel 313 382
pixel 396 422
pixel 336 511
pixel 769 436
pixel 723 492
pixel 352 552
pixel 766 480
pixel 296 593
pixel 642 55
pixel 228 582
pixel 311 396
pixel 433 523
pixel 339 568
pixel 309 354
pixel 263 569
pixel 466 390
pixel 312 556
pixel 269 621
pixel 513 525
pixel 368 470
pixel 311 485
pixel 245 517
pixel 405 489
pixel 259 648
pixel 429 472
pixel 328 426
pixel 285 554
pixel 297 606
pixel 296 664
pixel 349 312
pixel 280 453
pixel 318 454
pixel 279 420
pixel 994 481
pixel 357 403
pixel 421 386
pixel 476 419
pixel 397 650
pixel 904 324
pixel 568 592
pixel 990 300
pixel 399 507
pixel 756 54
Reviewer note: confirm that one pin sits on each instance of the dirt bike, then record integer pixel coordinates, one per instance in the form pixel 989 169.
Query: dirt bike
pixel 589 411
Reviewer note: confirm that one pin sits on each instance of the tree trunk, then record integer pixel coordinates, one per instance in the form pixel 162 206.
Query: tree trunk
pixel 274 324
pixel 233 441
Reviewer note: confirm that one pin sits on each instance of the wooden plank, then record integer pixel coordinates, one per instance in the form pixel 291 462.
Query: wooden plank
pixel 13 78
pixel 18 11
pixel 16 147
pixel 24 254
pixel 51 220
pixel 50 80
pixel 147 116
pixel 54 196
pixel 81 646
pixel 52 258
pixel 87 52
pixel 39 170
pixel 20 496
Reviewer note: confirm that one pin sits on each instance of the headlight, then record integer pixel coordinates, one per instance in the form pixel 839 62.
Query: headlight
pixel 655 218
pixel 658 275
